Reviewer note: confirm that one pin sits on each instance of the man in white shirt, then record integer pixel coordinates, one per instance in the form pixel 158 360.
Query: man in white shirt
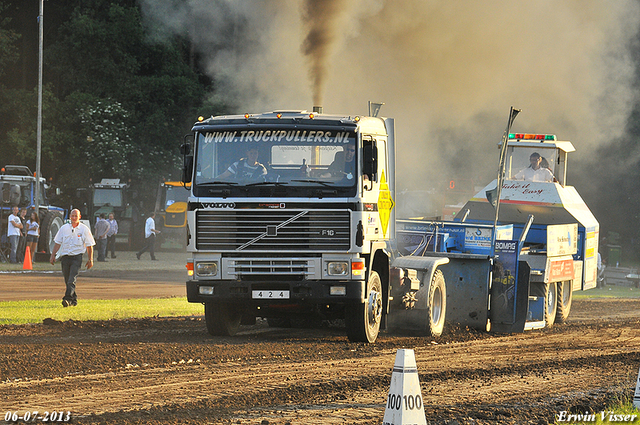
pixel 71 241
pixel 111 235
pixel 534 172
pixel 13 233
pixel 150 233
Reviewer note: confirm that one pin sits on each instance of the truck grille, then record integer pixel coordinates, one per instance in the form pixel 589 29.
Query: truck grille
pixel 272 266
pixel 272 230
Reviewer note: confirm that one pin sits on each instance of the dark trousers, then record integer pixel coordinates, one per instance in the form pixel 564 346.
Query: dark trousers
pixel 70 267
pixel 111 245
pixel 22 245
pixel 150 246
pixel 102 248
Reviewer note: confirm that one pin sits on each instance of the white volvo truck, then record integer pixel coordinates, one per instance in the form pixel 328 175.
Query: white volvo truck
pixel 291 216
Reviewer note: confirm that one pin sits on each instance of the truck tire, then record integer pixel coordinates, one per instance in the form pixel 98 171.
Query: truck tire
pixel 363 320
pixel 221 320
pixel 565 296
pixel 550 303
pixel 436 304
pixel 50 223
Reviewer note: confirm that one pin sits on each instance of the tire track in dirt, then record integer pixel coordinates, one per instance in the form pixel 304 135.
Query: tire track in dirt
pixel 503 370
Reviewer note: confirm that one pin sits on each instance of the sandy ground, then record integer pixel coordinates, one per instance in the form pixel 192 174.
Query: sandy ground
pixel 122 277
pixel 169 370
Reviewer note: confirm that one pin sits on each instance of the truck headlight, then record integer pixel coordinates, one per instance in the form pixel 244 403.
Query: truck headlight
pixel 207 269
pixel 338 268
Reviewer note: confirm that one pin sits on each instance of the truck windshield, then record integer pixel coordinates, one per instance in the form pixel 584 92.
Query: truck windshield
pixel 175 194
pixel 112 197
pixel 288 156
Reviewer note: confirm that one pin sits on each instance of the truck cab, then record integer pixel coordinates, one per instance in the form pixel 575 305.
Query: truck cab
pixel 285 213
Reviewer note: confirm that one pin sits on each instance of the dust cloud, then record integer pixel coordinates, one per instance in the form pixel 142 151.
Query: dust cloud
pixel 447 71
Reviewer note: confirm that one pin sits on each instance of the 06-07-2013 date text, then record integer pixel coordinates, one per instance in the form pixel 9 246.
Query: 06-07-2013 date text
pixel 36 416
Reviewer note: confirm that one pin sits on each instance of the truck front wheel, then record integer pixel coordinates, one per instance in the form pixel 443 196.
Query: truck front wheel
pixel 363 320
pixel 221 320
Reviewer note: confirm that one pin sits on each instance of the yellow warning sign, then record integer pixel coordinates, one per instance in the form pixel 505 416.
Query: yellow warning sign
pixel 385 204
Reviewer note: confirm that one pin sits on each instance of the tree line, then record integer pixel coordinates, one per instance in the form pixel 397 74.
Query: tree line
pixel 116 103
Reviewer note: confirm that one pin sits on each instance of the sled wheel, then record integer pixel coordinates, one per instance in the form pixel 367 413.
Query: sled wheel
pixel 436 304
pixel 551 303
pixel 565 296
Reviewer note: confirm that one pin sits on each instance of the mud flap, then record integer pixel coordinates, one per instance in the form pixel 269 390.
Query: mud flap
pixel 510 300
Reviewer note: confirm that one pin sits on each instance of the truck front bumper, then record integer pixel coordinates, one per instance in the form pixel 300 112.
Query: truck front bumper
pixel 256 293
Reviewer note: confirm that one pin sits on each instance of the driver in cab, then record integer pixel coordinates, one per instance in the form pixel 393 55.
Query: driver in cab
pixel 535 172
pixel 247 168
pixel 344 164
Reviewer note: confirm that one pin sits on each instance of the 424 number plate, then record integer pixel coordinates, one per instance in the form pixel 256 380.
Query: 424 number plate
pixel 277 295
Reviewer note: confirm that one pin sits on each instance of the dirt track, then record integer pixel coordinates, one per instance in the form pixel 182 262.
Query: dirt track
pixel 171 371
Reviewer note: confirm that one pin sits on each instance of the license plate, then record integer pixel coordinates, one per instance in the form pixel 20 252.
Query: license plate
pixel 277 295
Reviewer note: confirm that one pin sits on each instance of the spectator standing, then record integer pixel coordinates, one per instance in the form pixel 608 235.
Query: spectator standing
pixel 111 235
pixel 33 234
pixel 102 228
pixel 13 233
pixel 71 241
pixel 150 233
pixel 22 244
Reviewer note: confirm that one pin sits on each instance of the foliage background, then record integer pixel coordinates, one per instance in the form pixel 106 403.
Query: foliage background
pixel 116 103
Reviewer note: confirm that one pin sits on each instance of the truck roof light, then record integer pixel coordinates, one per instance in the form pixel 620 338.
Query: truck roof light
pixel 312 115
pixel 527 136
pixel 247 116
pixel 200 118
pixel 279 115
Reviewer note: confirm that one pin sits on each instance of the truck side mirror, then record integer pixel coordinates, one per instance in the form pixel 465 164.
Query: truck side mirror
pixel 187 167
pixel 185 149
pixel 15 194
pixel 370 161
pixel 6 193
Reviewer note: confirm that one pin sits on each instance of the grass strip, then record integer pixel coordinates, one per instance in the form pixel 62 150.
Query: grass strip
pixel 35 311
pixel 608 291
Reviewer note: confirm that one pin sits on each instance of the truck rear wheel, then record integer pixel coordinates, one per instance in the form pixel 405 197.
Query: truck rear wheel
pixel 221 320
pixel 363 320
pixel 436 304
pixel 50 223
pixel 565 296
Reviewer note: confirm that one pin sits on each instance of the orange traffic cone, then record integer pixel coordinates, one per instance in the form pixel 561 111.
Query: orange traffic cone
pixel 27 260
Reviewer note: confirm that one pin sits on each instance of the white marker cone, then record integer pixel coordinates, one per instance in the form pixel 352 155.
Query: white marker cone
pixel 404 402
pixel 636 395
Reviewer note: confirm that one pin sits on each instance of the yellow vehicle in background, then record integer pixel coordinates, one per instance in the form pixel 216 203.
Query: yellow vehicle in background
pixel 171 214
